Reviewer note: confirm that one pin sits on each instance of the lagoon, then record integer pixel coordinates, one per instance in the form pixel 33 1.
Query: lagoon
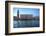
pixel 25 23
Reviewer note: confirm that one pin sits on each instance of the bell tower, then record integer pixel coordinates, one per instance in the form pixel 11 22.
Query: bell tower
pixel 18 14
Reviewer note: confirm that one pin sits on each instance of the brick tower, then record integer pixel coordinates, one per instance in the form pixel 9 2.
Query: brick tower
pixel 18 14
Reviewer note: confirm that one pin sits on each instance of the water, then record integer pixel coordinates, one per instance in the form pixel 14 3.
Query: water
pixel 25 23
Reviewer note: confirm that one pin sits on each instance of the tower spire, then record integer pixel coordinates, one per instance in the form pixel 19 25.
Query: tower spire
pixel 18 14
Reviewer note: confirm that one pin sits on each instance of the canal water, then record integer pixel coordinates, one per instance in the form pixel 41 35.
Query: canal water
pixel 25 23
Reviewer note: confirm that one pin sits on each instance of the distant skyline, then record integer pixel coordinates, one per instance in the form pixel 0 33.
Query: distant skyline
pixel 33 11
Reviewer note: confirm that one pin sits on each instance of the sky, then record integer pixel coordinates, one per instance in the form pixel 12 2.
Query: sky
pixel 33 11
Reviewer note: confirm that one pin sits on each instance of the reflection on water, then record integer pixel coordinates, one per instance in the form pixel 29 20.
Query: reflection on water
pixel 25 23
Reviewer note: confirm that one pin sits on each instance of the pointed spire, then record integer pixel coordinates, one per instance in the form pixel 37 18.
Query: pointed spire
pixel 18 11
